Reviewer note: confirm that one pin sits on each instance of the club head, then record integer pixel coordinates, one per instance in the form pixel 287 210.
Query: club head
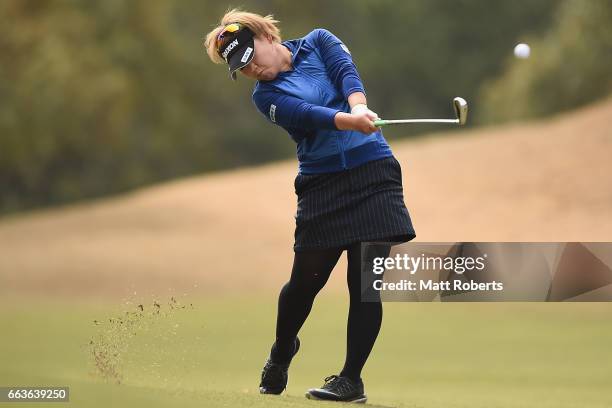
pixel 461 110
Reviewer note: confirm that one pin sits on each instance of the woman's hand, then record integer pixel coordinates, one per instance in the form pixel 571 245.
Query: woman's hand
pixel 361 122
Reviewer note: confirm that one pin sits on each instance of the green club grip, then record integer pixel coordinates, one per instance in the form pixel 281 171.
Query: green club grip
pixel 380 122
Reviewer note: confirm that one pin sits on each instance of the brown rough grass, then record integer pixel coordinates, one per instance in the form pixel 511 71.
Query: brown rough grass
pixel 233 231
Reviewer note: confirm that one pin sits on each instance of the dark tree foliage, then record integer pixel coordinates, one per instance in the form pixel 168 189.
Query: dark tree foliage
pixel 99 97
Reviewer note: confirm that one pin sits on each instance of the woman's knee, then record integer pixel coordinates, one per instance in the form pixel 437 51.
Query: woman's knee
pixel 311 285
pixel 303 287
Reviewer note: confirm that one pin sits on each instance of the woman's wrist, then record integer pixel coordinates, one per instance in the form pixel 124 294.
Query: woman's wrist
pixel 357 98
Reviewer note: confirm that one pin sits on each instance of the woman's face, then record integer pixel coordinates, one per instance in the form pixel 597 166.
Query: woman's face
pixel 266 63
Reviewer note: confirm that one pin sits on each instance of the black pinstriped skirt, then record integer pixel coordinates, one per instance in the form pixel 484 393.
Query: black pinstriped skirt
pixel 365 203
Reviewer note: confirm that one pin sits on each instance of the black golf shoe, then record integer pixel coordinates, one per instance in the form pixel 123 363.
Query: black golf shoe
pixel 338 388
pixel 274 376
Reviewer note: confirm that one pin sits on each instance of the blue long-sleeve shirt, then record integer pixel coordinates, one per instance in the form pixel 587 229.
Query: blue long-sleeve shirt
pixel 305 100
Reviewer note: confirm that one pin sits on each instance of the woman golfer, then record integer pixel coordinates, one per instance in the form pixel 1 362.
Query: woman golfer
pixel 349 185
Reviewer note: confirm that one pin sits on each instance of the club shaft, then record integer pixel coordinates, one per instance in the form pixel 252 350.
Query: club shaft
pixel 401 121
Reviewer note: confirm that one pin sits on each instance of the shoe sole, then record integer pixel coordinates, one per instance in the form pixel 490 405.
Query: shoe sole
pixel 266 391
pixel 358 400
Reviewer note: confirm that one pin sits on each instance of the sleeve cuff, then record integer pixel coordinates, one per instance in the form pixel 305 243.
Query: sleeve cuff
pixel 352 90
pixel 351 86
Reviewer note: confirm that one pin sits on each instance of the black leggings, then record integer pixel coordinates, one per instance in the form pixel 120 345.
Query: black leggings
pixel 310 272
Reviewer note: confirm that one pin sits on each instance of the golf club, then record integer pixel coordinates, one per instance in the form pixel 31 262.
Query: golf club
pixel 459 105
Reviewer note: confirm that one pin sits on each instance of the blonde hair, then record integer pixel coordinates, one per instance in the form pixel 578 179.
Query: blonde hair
pixel 260 25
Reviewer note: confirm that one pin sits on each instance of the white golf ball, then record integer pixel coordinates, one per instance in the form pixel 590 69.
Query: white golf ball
pixel 522 51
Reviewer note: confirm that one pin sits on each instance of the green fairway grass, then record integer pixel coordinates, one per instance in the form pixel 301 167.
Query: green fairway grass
pixel 210 353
